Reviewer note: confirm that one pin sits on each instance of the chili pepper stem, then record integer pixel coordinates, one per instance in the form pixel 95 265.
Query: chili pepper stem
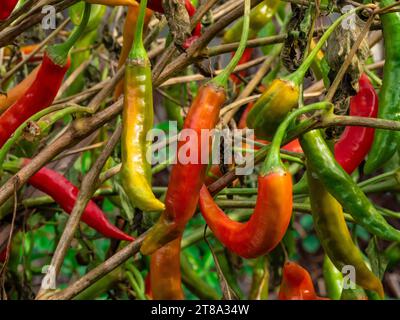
pixel 273 160
pixel 59 52
pixel 138 51
pixel 222 79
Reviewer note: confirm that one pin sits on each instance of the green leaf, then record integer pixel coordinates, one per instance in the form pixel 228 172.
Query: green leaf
pixel 376 258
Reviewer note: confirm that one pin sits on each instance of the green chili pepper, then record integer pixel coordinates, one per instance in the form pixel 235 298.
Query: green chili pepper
pixel 333 279
pixel 386 141
pixel 343 188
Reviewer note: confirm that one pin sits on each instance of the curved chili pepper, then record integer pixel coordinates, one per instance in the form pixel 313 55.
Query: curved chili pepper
pixel 386 141
pixel 65 194
pixel 128 35
pixel 165 272
pixel 355 142
pixel 342 187
pixel 43 90
pixel 332 231
pixel 137 120
pixel 333 279
pixel 273 209
pixel 297 284
pixel 282 95
pixel 186 179
pixel 6 8
pixel 18 91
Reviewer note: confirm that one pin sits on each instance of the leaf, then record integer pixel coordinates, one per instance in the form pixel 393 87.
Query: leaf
pixel 376 258
pixel 127 209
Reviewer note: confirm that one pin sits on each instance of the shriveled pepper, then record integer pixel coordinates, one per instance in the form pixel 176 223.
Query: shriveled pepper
pixel 282 95
pixel 165 272
pixel 342 187
pixel 65 194
pixel 355 142
pixel 273 209
pixel 386 141
pixel 332 231
pixel 186 179
pixel 296 284
pixel 43 90
pixel 6 8
pixel 137 119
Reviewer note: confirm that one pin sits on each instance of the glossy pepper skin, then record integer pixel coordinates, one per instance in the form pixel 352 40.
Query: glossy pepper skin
pixel 138 119
pixel 355 142
pixel 65 194
pixel 332 231
pixel 186 179
pixel 386 141
pixel 333 279
pixel 39 96
pixel 165 272
pixel 18 91
pixel 6 8
pixel 296 284
pixel 342 187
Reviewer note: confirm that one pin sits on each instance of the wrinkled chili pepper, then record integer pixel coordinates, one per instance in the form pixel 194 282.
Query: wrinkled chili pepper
pixel 282 95
pixel 165 272
pixel 6 8
pixel 128 36
pixel 386 141
pixel 355 142
pixel 297 284
pixel 43 90
pixel 273 209
pixel 343 188
pixel 137 120
pixel 332 231
pixel 65 194
pixel 18 91
pixel 186 179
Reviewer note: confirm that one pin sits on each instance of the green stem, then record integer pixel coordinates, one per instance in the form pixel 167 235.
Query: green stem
pixel 298 75
pixel 273 160
pixel 59 52
pixel 222 79
pixel 138 51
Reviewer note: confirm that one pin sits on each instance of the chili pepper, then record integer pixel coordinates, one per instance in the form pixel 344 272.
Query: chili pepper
pixel 386 141
pixel 333 233
pixel 3 255
pixel 296 284
pixel 65 194
pixel 43 90
pixel 6 8
pixel 186 179
pixel 333 279
pixel 245 58
pixel 165 272
pixel 18 91
pixel 355 142
pixel 273 209
pixel 282 95
pixel 342 187
pixel 128 37
pixel 137 120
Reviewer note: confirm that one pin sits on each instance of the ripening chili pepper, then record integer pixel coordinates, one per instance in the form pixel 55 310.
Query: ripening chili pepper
pixel 186 179
pixel 43 90
pixel 332 231
pixel 65 194
pixel 165 272
pixel 18 91
pixel 333 279
pixel 128 35
pixel 297 284
pixel 273 209
pixel 355 142
pixel 343 188
pixel 6 8
pixel 386 141
pixel 282 95
pixel 137 120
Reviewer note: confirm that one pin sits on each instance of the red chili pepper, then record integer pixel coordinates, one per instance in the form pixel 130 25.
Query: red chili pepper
pixel 65 194
pixel 6 8
pixel 245 58
pixel 355 142
pixel 296 283
pixel 3 255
